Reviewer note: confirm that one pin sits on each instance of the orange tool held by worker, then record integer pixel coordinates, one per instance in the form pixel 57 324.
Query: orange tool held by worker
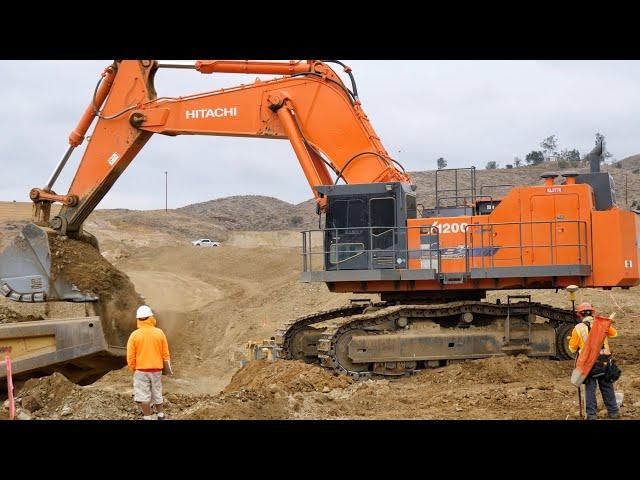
pixel 592 342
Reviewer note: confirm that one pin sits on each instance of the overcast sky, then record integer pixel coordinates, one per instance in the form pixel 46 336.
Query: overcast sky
pixel 469 112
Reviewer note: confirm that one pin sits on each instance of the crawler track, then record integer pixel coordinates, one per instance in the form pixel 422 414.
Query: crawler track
pixel 285 335
pixel 352 320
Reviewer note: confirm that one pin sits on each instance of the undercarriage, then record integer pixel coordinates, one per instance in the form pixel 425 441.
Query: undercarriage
pixel 378 338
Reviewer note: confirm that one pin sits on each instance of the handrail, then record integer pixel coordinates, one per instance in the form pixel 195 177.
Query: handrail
pixel 457 188
pixel 433 253
pixel 552 245
pixel 464 197
pixel 394 252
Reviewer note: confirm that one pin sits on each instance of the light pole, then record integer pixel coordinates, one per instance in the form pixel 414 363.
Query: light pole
pixel 166 190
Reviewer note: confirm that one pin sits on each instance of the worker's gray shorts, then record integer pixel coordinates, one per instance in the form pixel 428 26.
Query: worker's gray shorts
pixel 147 387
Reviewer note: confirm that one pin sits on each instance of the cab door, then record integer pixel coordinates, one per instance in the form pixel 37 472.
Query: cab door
pixel 382 218
pixel 347 235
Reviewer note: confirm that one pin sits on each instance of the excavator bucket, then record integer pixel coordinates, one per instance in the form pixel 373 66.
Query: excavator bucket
pixel 26 271
pixel 60 328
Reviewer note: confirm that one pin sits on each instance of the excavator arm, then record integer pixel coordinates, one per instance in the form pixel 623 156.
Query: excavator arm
pixel 309 105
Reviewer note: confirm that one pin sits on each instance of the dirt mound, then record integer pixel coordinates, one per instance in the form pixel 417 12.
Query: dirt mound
pixel 271 390
pixel 180 292
pixel 506 387
pixel 501 370
pixel 290 377
pixel 55 397
pixel 82 265
pixel 47 393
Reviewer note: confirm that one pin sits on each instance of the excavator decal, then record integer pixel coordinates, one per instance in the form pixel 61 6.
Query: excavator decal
pixel 211 113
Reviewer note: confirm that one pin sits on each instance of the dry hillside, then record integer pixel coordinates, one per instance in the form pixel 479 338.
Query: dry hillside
pixel 250 212
pixel 630 163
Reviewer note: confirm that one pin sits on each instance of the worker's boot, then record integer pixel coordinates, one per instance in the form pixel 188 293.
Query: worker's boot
pixel 614 416
pixel 592 417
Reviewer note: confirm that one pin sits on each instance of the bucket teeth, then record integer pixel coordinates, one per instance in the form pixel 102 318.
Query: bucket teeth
pixel 25 271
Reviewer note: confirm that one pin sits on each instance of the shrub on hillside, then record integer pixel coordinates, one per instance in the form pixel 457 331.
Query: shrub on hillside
pixel 534 158
pixel 296 220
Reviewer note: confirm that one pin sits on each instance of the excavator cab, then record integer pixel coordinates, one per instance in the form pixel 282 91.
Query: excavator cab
pixel 365 225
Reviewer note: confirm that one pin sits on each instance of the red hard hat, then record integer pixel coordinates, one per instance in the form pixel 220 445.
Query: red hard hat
pixel 584 307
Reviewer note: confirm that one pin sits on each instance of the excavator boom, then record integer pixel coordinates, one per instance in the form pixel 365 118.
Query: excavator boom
pixel 309 106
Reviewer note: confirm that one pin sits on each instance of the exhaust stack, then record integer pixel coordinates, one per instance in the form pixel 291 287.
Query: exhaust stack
pixel 596 155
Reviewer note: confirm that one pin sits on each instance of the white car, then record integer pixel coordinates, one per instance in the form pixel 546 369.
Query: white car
pixel 205 242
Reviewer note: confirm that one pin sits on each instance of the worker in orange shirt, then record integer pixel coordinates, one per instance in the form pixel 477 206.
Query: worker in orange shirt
pixel 578 340
pixel 147 355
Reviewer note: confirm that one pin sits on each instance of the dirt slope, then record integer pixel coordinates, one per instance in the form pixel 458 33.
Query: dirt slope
pixel 212 301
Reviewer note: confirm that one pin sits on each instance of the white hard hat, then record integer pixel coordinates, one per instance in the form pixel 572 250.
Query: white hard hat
pixel 143 312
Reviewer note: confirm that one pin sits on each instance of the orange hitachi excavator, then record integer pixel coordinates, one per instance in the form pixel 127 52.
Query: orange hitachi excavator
pixel 430 267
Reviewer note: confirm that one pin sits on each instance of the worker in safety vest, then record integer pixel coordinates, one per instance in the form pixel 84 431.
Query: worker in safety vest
pixel 147 356
pixel 578 340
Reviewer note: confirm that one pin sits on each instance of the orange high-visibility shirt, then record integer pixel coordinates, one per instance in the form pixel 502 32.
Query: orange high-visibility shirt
pixel 147 347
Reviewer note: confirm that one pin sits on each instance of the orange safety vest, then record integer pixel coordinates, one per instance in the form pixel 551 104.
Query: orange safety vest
pixel 580 334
